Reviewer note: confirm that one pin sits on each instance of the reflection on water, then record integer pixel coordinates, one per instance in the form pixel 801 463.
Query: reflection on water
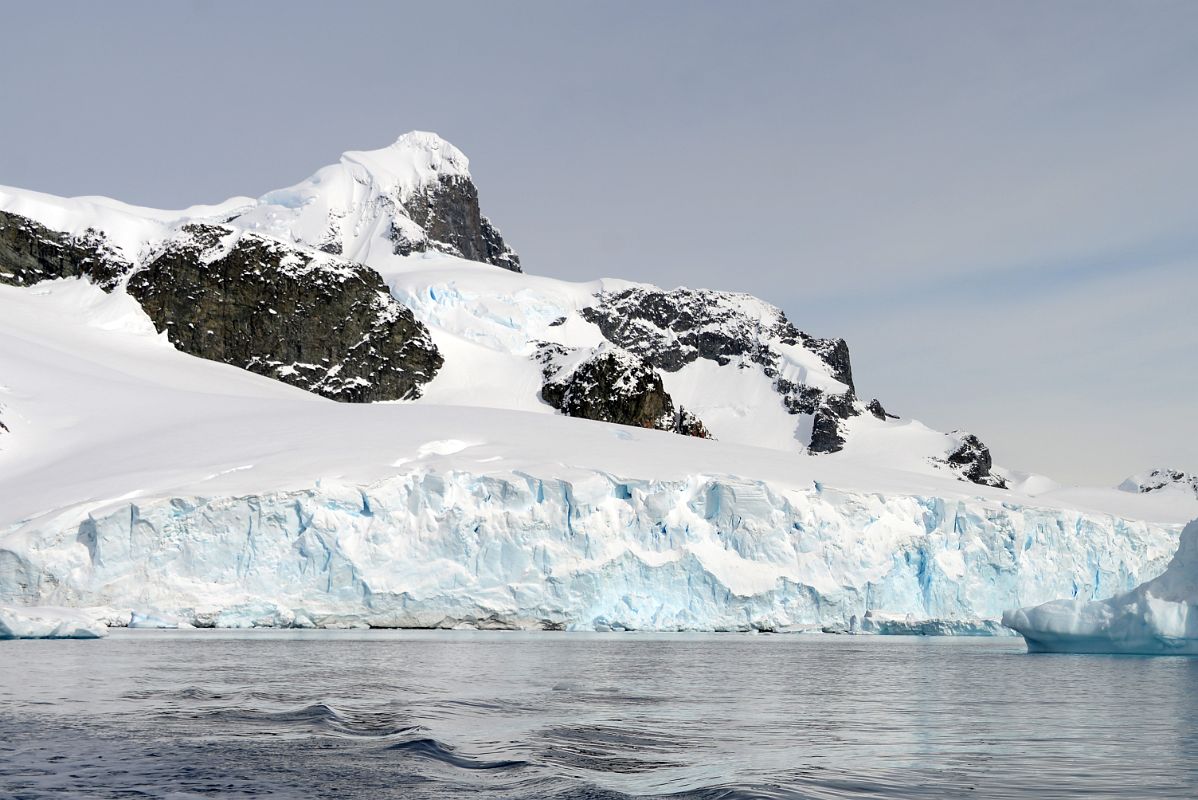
pixel 453 714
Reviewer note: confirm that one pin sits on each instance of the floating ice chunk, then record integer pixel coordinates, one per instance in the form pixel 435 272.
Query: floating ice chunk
pixel 908 625
pixel 1159 617
pixel 149 619
pixel 46 622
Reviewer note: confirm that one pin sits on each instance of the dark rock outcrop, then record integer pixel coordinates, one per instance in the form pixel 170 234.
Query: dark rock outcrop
pixel 31 252
pixel 827 428
pixel 875 407
pixel 687 424
pixel 972 461
pixel 613 386
pixel 320 323
pixel 452 222
pixel 671 329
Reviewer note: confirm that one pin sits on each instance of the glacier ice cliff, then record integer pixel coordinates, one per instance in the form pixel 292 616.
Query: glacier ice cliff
pixel 1159 617
pixel 512 550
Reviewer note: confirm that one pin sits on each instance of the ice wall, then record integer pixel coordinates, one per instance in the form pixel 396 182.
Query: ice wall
pixel 514 550
pixel 1159 617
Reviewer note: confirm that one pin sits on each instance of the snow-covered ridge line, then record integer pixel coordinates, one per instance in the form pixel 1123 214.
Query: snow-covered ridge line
pixel 456 549
pixel 412 196
pixel 237 288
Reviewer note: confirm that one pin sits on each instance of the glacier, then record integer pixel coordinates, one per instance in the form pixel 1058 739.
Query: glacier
pixel 1159 617
pixel 435 549
pixel 157 489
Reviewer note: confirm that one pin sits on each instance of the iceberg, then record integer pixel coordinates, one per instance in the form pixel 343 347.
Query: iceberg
pixel 47 622
pixel 1159 617
pixel 153 620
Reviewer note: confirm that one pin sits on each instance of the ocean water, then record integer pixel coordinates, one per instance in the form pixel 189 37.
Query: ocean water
pixel 422 714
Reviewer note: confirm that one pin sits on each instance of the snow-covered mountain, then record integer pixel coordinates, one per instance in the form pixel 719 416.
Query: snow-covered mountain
pixel 138 477
pixel 292 286
pixel 1165 481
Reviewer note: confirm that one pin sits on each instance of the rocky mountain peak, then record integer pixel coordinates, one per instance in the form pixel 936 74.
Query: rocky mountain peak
pixel 412 196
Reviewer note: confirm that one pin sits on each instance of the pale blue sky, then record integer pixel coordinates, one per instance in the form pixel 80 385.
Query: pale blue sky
pixel 995 203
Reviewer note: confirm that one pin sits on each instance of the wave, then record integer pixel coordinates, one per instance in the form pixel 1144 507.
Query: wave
pixel 431 748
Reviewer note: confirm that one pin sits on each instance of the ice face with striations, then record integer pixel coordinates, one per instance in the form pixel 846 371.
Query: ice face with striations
pixel 449 549
pixel 1159 617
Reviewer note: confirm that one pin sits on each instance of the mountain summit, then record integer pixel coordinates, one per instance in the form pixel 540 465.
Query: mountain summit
pixel 412 196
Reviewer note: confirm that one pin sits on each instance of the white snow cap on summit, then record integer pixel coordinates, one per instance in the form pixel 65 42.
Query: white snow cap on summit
pixel 413 161
pixel 356 205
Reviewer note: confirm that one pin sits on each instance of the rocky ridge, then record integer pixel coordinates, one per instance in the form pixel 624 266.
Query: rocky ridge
pixel 31 253
pixel 307 319
pixel 673 328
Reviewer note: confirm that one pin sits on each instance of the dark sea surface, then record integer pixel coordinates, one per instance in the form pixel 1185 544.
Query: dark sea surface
pixel 379 714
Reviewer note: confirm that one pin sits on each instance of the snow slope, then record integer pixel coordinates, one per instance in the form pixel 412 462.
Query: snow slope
pixel 489 323
pixel 137 478
pixel 1159 617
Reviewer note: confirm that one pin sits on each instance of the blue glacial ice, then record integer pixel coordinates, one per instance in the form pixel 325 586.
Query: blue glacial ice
pixel 452 549
pixel 1159 617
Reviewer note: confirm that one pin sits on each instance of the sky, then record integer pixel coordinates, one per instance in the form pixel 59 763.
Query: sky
pixel 994 203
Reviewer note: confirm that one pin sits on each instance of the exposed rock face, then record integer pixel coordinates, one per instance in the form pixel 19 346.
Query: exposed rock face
pixel 448 212
pixel 30 253
pixel 972 460
pixel 827 428
pixel 320 323
pixel 688 424
pixel 612 386
pixel 671 329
